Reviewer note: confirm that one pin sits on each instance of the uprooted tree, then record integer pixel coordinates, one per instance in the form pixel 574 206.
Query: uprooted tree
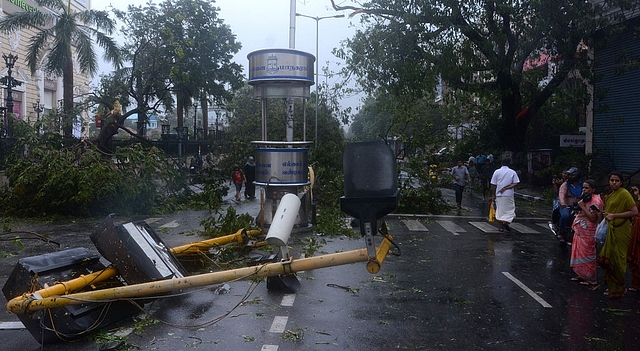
pixel 176 51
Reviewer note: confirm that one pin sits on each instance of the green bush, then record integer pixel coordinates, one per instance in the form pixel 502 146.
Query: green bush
pixel 80 181
pixel 225 224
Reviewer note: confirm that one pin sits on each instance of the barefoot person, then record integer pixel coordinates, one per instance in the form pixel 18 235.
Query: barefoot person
pixel 503 181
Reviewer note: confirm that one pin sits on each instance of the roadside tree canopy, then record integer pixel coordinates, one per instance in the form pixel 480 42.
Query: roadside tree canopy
pixel 487 48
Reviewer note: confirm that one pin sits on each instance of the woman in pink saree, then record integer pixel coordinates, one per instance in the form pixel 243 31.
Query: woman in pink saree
pixel 583 246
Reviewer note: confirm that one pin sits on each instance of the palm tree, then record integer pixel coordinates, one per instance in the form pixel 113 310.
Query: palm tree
pixel 58 32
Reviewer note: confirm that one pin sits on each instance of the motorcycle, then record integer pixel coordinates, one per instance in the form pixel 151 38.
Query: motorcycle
pixel 565 234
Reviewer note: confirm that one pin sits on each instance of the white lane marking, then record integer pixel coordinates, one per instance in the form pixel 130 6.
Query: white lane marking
pixel 451 227
pixel 544 225
pixel 485 227
pixel 523 229
pixel 11 325
pixel 152 220
pixel 172 224
pixel 269 348
pixel 535 296
pixel 414 225
pixel 288 299
pixel 279 324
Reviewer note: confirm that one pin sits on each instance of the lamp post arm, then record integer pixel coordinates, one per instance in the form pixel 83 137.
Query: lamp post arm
pixel 317 19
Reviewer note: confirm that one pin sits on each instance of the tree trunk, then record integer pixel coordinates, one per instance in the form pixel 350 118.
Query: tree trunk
pixel 68 115
pixel 205 118
pixel 180 112
pixel 514 126
pixel 109 128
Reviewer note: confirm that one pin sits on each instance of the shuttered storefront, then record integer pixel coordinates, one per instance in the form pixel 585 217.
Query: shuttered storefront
pixel 616 124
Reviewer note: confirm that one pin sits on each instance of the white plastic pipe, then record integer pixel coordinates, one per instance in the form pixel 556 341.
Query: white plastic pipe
pixel 283 220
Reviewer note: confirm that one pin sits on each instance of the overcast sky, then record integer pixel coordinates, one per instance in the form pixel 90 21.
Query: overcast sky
pixel 264 24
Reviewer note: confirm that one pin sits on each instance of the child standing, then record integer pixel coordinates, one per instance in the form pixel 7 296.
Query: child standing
pixel 237 178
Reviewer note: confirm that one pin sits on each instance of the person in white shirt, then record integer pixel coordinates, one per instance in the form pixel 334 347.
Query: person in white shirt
pixel 503 181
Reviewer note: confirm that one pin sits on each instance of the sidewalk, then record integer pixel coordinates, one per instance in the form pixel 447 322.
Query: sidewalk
pixel 529 203
pixel 529 194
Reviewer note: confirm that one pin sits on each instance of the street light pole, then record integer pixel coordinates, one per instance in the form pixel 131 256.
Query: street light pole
pixel 10 82
pixel 195 118
pixel 317 19
pixel 38 108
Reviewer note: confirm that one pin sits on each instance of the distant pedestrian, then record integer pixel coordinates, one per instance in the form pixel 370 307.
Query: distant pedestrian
pixel 460 175
pixel 208 161
pixel 237 178
pixel 473 176
pixel 486 172
pixel 503 181
pixel 250 176
pixel 480 161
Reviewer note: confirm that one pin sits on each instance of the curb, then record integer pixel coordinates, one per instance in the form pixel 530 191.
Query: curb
pixel 529 197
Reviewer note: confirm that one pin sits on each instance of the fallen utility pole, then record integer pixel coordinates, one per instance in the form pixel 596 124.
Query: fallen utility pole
pixel 30 303
pixel 70 286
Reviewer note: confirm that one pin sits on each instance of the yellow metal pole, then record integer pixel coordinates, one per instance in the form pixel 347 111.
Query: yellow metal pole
pixel 373 266
pixel 68 287
pixel 195 247
pixel 30 303
pixel 62 288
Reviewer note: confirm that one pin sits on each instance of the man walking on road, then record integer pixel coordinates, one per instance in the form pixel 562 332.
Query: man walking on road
pixel 503 181
pixel 461 176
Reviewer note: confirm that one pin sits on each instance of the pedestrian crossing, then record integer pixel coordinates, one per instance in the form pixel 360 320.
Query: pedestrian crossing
pixel 451 227
pixel 454 227
pixel 457 227
pixel 485 227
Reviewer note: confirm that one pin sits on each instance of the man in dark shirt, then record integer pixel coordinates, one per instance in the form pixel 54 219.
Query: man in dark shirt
pixel 250 175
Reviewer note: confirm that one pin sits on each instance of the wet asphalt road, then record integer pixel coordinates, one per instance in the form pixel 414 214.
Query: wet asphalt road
pixel 459 284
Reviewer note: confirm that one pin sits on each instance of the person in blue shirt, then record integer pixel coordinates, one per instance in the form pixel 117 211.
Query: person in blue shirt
pixel 568 196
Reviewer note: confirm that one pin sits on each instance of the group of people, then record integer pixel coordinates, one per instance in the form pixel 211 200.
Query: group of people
pixel 465 176
pixel 503 180
pixel 580 200
pixel 244 176
pixel 621 248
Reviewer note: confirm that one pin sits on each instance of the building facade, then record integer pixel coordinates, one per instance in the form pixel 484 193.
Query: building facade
pixel 39 88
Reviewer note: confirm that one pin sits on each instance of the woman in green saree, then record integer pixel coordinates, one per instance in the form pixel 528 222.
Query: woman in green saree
pixel 619 206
